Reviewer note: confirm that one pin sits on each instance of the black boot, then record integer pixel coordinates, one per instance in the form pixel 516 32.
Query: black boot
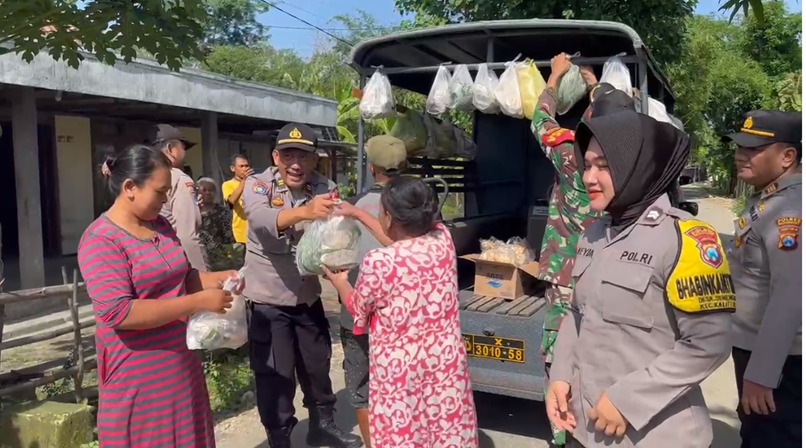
pixel 281 437
pixel 323 432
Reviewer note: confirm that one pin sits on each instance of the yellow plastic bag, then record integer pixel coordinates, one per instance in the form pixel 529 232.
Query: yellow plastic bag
pixel 531 84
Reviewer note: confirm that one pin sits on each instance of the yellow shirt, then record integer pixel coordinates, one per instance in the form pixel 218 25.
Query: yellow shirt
pixel 238 215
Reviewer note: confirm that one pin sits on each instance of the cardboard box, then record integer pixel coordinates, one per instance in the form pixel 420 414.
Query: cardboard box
pixel 504 280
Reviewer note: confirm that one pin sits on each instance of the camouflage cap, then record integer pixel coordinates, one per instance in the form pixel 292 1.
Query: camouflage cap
pixel 386 152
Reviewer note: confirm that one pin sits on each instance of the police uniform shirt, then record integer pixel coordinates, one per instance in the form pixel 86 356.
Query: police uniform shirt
pixel 271 269
pixel 652 321
pixel 766 261
pixel 182 211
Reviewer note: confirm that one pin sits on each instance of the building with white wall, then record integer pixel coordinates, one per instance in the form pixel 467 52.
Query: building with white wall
pixel 57 124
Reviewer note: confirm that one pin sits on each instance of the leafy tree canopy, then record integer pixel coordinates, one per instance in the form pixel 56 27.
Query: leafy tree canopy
pixel 234 22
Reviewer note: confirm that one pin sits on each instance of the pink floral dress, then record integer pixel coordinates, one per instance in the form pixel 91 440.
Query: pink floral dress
pixel 419 389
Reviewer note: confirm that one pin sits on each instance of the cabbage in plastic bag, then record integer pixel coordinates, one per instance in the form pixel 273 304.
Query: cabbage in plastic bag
pixel 531 85
pixel 484 90
pixel 617 74
pixel 439 98
pixel 508 92
pixel 461 89
pixel 409 128
pixel 210 331
pixel 331 242
pixel 571 89
pixel 378 100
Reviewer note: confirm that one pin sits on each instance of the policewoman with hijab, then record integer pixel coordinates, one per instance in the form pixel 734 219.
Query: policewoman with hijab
pixel 766 259
pixel 653 298
pixel 289 334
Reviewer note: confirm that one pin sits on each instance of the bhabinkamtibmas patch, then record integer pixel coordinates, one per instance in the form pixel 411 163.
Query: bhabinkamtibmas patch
pixel 700 280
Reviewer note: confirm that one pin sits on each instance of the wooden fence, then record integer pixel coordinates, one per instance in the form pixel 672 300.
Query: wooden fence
pixel 74 366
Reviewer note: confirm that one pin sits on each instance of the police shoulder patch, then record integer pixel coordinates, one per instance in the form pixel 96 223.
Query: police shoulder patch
pixel 260 187
pixel 788 232
pixel 557 137
pixel 700 279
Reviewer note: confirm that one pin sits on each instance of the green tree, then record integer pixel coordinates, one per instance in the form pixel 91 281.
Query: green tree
pixel 234 22
pixel 168 30
pixel 263 64
pixel 661 23
pixel 775 41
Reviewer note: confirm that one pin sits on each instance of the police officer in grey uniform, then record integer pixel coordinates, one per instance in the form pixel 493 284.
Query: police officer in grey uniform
pixel 387 158
pixel 288 329
pixel 653 298
pixel 182 207
pixel 766 260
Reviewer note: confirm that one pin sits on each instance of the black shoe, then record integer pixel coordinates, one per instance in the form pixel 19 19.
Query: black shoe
pixel 281 437
pixel 323 432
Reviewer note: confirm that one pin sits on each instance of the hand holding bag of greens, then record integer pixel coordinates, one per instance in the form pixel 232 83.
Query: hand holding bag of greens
pixel 209 331
pixel 331 242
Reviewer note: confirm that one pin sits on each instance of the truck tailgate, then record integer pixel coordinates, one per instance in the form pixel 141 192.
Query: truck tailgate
pixel 502 339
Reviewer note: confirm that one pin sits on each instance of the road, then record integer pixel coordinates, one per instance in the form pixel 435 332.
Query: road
pixel 507 422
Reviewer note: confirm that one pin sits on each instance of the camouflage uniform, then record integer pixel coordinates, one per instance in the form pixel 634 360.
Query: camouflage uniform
pixel 569 213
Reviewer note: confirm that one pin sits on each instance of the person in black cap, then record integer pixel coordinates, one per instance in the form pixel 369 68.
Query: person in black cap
pixel 182 208
pixel 289 334
pixel 766 259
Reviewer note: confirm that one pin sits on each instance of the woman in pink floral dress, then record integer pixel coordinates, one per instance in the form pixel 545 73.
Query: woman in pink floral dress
pixel 407 297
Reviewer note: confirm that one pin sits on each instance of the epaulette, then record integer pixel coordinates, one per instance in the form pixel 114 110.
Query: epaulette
pixel 558 136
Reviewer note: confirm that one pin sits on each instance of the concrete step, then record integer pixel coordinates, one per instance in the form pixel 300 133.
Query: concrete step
pixel 46 322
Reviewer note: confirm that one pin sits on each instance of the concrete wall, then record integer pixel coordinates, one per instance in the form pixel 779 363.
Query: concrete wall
pixel 74 164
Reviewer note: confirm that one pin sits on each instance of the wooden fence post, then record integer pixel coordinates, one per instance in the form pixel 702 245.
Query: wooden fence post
pixel 78 379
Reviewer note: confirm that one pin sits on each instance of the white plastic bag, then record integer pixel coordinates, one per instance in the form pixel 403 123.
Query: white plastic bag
pixel 484 90
pixel 617 74
pixel 461 89
pixel 508 92
pixel 209 331
pixel 378 100
pixel 657 110
pixel 439 97
pixel 571 89
pixel 331 242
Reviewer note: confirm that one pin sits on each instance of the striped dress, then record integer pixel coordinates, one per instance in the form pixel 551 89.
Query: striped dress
pixel 152 389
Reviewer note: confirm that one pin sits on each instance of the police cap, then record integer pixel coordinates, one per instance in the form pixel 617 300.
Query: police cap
pixel 386 152
pixel 163 133
pixel 763 127
pixel 297 136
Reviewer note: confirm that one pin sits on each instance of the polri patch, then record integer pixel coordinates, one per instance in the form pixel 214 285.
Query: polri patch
pixel 558 136
pixel 277 201
pixel 260 187
pixel 700 279
pixel 788 231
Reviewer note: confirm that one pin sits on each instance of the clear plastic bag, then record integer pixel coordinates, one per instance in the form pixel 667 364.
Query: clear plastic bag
pixel 571 89
pixel 461 89
pixel 210 331
pixel 508 92
pixel 531 84
pixel 378 100
pixel 657 110
pixel 331 242
pixel 515 251
pixel 409 128
pixel 522 253
pixel 439 97
pixel 617 74
pixel 484 91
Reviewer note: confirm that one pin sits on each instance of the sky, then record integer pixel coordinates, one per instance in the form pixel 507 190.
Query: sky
pixel 320 12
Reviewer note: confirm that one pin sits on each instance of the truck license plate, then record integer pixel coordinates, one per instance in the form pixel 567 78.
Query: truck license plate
pixel 502 349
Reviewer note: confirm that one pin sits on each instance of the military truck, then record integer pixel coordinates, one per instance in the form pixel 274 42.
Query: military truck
pixel 506 187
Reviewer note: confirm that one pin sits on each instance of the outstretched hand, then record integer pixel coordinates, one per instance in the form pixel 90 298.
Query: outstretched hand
pixel 335 277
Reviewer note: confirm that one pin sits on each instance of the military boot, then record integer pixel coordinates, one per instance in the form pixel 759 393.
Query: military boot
pixel 323 432
pixel 281 437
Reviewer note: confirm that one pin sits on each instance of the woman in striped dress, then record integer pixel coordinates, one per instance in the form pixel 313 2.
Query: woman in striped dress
pixel 152 388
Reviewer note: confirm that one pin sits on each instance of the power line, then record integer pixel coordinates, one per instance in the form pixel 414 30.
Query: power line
pixel 274 5
pixel 283 27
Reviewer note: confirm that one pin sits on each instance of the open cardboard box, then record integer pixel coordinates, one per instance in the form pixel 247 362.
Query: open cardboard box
pixel 503 280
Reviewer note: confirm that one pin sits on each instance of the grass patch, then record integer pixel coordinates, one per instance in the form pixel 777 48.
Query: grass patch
pixel 230 381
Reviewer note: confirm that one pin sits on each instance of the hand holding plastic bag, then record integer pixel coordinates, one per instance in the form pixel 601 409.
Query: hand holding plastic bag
pixel 484 91
pixel 617 74
pixel 531 84
pixel 378 100
pixel 439 98
pixel 210 331
pixel 461 89
pixel 331 242
pixel 508 92
pixel 571 89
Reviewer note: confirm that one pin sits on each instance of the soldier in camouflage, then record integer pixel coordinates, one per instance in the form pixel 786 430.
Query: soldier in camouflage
pixel 569 206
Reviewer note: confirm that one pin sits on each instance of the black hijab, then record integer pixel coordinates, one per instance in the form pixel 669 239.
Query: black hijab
pixel 645 158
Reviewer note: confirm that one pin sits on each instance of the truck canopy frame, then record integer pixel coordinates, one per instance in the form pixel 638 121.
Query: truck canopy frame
pixel 411 58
